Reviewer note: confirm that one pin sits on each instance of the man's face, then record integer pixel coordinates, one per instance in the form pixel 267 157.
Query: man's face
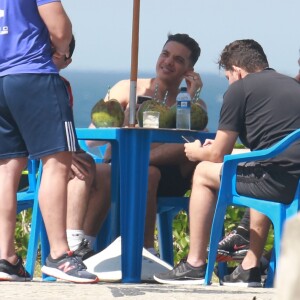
pixel 173 62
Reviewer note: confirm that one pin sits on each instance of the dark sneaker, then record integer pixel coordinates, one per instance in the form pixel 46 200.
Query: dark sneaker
pixel 83 250
pixel 183 273
pixel 243 278
pixel 13 272
pixel 264 265
pixel 68 267
pixel 232 247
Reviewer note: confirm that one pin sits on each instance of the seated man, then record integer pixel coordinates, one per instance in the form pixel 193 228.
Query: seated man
pixel 87 192
pixel 252 110
pixel 235 245
pixel 169 171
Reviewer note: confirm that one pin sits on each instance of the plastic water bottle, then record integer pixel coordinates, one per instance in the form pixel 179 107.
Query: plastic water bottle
pixel 183 112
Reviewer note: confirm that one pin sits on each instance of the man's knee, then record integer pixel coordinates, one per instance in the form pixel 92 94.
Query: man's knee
pixel 207 173
pixel 154 175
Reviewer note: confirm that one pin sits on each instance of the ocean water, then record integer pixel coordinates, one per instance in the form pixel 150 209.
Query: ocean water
pixel 89 87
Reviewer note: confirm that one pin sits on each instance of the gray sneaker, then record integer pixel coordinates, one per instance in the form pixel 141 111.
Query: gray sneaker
pixel 68 267
pixel 183 273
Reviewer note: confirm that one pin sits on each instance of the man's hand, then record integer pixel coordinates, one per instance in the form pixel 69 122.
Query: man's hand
pixel 193 83
pixel 192 149
pixel 82 166
pixel 60 61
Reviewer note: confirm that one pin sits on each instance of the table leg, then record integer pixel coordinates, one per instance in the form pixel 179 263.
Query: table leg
pixel 115 191
pixel 134 162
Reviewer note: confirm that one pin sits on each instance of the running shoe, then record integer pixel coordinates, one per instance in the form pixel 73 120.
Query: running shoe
pixel 232 247
pixel 68 267
pixel 243 278
pixel 183 273
pixel 13 272
pixel 83 250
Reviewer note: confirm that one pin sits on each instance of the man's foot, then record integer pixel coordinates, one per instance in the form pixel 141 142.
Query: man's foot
pixel 183 273
pixel 232 247
pixel 83 250
pixel 68 267
pixel 264 264
pixel 244 278
pixel 13 272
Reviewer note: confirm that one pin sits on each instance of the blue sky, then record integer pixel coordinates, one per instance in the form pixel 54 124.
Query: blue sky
pixel 103 30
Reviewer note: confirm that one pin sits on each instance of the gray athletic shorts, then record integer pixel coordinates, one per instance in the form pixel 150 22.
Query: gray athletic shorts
pixel 35 116
pixel 270 182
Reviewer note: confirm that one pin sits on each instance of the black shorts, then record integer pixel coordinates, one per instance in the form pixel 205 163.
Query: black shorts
pixel 172 183
pixel 270 182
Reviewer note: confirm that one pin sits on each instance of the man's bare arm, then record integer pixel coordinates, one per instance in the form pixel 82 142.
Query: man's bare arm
pixel 59 26
pixel 212 150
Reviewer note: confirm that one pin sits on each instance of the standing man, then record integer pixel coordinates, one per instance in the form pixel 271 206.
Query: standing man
pixel 252 110
pixel 36 121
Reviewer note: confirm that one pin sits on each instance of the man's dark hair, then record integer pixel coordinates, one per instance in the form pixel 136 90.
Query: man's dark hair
pixel 246 54
pixel 188 42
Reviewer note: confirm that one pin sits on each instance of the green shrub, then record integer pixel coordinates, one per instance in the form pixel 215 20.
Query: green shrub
pixel 22 232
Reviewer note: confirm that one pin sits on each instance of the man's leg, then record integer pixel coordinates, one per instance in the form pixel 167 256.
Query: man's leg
pixel 151 209
pixel 10 172
pixel 99 202
pixel 79 192
pixel 259 229
pixel 11 266
pixel 206 182
pixel 53 200
pixel 248 274
pixel 61 263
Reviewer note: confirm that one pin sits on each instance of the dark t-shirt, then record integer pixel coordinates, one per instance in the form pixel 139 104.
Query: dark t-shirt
pixel 263 108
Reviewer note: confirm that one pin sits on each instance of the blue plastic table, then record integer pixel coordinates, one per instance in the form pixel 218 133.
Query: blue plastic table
pixel 130 155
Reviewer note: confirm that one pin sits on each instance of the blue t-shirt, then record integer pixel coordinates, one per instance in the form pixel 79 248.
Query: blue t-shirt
pixel 24 38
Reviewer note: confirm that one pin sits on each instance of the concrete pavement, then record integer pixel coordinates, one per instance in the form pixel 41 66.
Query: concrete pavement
pixel 67 291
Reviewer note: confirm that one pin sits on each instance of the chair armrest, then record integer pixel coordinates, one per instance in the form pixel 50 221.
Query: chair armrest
pixel 231 161
pixel 266 153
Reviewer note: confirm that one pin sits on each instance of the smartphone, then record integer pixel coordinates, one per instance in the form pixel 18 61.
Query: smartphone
pixel 188 139
pixel 141 99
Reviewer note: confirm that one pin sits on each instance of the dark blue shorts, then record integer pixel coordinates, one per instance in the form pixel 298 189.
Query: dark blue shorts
pixel 36 118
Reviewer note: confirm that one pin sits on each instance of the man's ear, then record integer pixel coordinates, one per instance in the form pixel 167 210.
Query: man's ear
pixel 191 69
pixel 238 71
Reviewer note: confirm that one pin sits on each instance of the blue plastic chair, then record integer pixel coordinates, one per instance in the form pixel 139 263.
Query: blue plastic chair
pixel 277 212
pixel 25 196
pixel 28 198
pixel 167 209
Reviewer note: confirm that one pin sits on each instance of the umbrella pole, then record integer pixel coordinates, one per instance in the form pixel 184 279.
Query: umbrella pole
pixel 134 61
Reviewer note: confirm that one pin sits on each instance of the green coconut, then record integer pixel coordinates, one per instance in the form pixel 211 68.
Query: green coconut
pixel 107 114
pixel 199 118
pixel 167 117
